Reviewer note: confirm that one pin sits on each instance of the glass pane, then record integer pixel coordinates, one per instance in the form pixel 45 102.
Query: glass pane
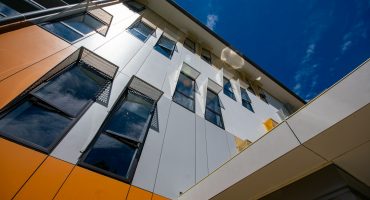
pixel 7 11
pixel 189 45
pixel 141 31
pixel 131 117
pixel 185 85
pixel 63 31
pixel 50 4
pixel 214 118
pixel 34 124
pixel 228 89
pixel 73 89
pixel 21 6
pixel 213 102
pixel 184 101
pixel 248 105
pixel 84 23
pixel 245 95
pixel 164 51
pixel 111 155
pixel 166 43
pixel 206 55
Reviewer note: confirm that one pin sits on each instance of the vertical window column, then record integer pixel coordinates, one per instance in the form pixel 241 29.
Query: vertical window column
pixel 213 109
pixel 185 92
pixel 228 89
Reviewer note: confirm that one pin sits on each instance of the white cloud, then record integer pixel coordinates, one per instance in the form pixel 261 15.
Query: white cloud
pixel 309 52
pixel 211 21
pixel 346 45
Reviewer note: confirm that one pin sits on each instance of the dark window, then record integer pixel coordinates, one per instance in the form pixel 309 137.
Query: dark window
pixel 206 56
pixel 213 109
pixel 228 89
pixel 73 1
pixel 165 46
pixel 185 92
pixel 20 6
pixel 6 11
pixel 74 28
pixel 246 101
pixel 263 97
pixel 190 45
pixel 141 30
pixel 135 6
pixel 250 89
pixel 41 119
pixel 49 4
pixel 115 150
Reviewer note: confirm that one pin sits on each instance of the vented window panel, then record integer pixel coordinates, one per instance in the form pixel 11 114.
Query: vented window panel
pixel 228 89
pixel 165 46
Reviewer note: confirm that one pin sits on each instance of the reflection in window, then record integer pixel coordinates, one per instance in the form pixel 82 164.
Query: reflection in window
pixel 185 92
pixel 165 46
pixel 75 28
pixel 206 56
pixel 115 150
pixel 190 45
pixel 41 119
pixel 246 101
pixel 213 109
pixel 6 11
pixel 228 89
pixel 141 30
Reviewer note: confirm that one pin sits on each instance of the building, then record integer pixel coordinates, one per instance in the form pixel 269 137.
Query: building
pixel 118 99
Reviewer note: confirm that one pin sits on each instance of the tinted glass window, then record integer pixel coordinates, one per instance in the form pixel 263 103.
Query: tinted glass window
pixel 135 6
pixel 141 31
pixel 228 89
pixel 72 90
pixel 246 101
pixel 20 5
pixel 63 31
pixel 130 118
pixel 190 45
pixel 6 11
pixel 84 23
pixel 213 109
pixel 111 154
pixel 165 46
pixel 206 56
pixel 36 123
pixel 50 4
pixel 185 92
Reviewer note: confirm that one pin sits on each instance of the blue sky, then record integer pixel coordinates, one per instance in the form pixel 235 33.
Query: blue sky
pixel 308 45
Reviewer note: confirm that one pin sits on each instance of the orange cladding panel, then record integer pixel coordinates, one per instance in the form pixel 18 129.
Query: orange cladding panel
pixel 85 184
pixel 14 85
pixel 158 197
pixel 17 165
pixel 46 181
pixel 138 194
pixel 24 47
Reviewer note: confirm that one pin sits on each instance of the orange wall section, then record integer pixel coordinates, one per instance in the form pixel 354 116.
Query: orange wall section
pixel 18 163
pixel 26 46
pixel 46 181
pixel 14 85
pixel 138 194
pixel 85 184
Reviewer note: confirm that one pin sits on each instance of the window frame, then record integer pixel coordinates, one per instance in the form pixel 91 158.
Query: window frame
pixel 181 93
pixel 102 130
pixel 204 56
pixel 27 97
pixel 131 28
pixel 157 44
pixel 214 112
pixel 192 49
pixel 245 100
pixel 71 28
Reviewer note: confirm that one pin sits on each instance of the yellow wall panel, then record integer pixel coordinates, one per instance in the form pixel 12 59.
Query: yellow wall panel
pixel 14 85
pixel 26 46
pixel 17 165
pixel 158 197
pixel 45 182
pixel 85 184
pixel 138 194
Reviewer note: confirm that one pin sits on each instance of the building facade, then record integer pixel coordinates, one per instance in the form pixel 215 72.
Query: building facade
pixel 124 100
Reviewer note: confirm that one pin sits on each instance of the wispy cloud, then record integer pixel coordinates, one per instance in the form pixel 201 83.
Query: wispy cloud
pixel 346 45
pixel 211 21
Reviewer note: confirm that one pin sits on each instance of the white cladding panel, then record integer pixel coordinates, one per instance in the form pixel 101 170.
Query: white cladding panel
pixel 201 158
pixel 176 171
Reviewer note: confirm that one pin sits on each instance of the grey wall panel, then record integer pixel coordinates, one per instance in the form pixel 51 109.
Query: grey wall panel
pixel 176 171
pixel 217 146
pixel 146 171
pixel 69 149
pixel 201 169
pixel 119 84
pixel 231 143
